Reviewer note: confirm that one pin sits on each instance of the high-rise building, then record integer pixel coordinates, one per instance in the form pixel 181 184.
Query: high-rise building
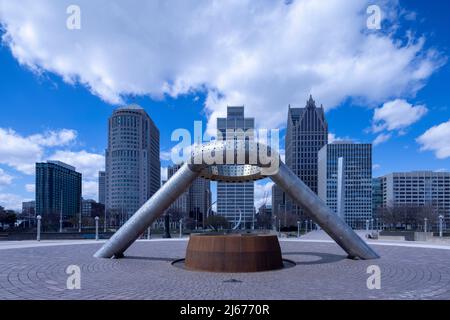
pixel 377 195
pixel 278 200
pixel 418 188
pixel 345 180
pixel 133 171
pixel 235 201
pixel 29 208
pixel 58 189
pixel 196 201
pixel 306 134
pixel 102 187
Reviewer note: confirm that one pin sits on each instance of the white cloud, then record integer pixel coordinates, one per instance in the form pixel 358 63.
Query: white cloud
pixel 164 173
pixel 31 187
pixel 54 138
pixel 22 152
pixel 165 155
pixel 381 138
pixel 90 189
pixel 89 164
pixel 5 179
pixel 437 139
pixel 264 54
pixel 376 166
pixel 263 193
pixel 397 115
pixel 11 201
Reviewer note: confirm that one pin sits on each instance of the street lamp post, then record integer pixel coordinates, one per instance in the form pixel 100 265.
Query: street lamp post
pixel 149 233
pixel 371 223
pixel 60 215
pixel 104 223
pixel 298 229
pixel 367 225
pixel 425 227
pixel 279 227
pixel 306 226
pixel 441 218
pixel 38 237
pixel 96 228
pixel 181 228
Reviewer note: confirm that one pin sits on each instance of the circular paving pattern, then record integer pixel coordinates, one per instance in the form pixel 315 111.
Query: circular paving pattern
pixel 321 272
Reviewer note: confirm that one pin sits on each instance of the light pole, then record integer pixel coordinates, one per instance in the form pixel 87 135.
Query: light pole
pixel 38 237
pixel 441 218
pixel 298 229
pixel 306 226
pixel 425 227
pixel 181 228
pixel 279 227
pixel 149 233
pixel 61 215
pixel 79 222
pixel 104 222
pixel 96 228
pixel 371 223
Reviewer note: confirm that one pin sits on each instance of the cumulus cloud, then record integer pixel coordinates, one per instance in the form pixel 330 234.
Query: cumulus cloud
pixel 381 138
pixel 22 152
pixel 437 139
pixel 54 138
pixel 263 193
pixel 89 164
pixel 264 54
pixel 397 115
pixel 5 179
pixel 11 201
pixel 30 187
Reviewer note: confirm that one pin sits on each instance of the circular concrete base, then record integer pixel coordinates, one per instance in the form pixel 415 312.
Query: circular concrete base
pixel 233 253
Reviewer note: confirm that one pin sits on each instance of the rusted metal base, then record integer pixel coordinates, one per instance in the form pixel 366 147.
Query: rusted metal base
pixel 233 253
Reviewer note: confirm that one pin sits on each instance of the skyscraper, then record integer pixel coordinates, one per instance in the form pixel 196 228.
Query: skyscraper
pixel 102 187
pixel 345 180
pixel 306 134
pixel 196 201
pixel 235 201
pixel 58 189
pixel 133 171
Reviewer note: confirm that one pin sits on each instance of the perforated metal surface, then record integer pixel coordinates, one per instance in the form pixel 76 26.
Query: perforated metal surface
pixel 232 161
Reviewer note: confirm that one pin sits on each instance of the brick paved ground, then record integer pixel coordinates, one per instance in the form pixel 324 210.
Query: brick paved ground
pixel 321 272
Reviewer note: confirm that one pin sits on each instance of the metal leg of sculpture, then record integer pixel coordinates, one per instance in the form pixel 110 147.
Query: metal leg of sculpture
pixel 147 214
pixel 327 219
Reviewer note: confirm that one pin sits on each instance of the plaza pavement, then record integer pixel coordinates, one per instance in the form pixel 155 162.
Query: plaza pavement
pixel 31 270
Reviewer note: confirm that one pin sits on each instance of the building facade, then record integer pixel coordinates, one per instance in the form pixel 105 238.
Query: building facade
pixel 235 201
pixel 278 200
pixel 58 189
pixel 194 202
pixel 418 188
pixel 133 171
pixel 377 195
pixel 102 187
pixel 306 134
pixel 345 180
pixel 91 208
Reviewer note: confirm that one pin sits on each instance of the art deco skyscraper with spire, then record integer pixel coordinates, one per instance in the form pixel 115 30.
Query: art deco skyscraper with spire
pixel 306 134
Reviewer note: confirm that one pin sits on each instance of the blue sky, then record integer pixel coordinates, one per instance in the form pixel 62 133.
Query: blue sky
pixel 56 103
